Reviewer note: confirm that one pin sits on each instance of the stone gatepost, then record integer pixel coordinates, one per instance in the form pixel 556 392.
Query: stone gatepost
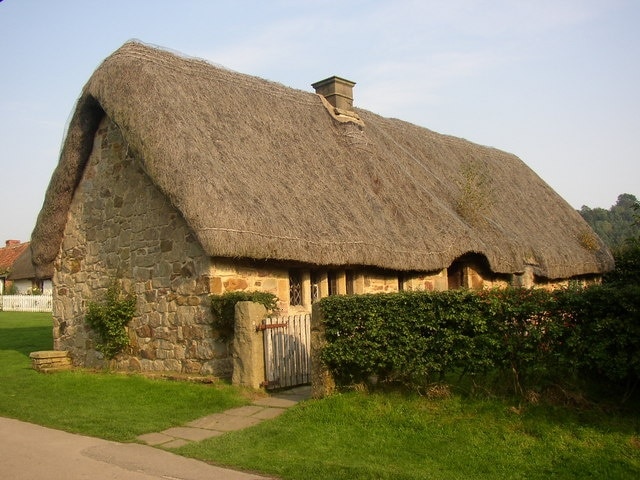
pixel 247 347
pixel 322 382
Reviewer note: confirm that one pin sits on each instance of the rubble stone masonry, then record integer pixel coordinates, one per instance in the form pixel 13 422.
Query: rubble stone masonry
pixel 121 227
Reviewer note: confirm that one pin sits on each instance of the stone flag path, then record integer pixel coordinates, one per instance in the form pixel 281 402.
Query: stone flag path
pixel 33 452
pixel 228 421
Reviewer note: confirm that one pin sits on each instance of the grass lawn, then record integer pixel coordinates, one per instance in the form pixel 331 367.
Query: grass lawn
pixel 112 406
pixel 347 436
pixel 396 436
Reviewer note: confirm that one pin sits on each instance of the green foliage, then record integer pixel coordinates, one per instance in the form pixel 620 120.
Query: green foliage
pixel 627 252
pixel 603 333
pixel 110 318
pixel 627 260
pixel 223 308
pixel 389 335
pixel 525 335
pixel 534 337
pixel 352 435
pixel 616 225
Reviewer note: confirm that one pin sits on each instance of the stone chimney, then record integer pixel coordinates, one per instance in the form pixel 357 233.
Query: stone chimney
pixel 337 91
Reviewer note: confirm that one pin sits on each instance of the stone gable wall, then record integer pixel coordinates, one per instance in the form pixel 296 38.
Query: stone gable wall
pixel 120 226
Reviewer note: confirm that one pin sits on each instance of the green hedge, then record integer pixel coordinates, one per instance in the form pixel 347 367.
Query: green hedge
pixel 532 337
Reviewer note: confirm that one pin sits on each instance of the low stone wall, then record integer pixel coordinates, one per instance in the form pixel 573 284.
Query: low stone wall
pixel 50 361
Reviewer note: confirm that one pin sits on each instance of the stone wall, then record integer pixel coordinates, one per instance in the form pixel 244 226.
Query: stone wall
pixel 120 226
pixel 428 281
pixel 229 275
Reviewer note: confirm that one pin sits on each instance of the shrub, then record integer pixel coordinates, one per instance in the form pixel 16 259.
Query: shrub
pixel 223 308
pixel 411 337
pixel 534 338
pixel 627 260
pixel 526 334
pixel 603 334
pixel 109 320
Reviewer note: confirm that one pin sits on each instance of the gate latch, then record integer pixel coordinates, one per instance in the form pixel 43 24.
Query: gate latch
pixel 263 326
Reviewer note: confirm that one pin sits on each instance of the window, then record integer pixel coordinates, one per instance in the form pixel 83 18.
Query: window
pixel 333 283
pixel 315 287
pixel 295 287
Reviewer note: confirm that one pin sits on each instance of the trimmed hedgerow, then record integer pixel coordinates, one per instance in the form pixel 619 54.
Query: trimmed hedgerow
pixel 603 339
pixel 533 337
pixel 409 336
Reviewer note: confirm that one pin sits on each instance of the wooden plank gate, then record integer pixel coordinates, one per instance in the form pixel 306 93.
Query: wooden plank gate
pixel 287 350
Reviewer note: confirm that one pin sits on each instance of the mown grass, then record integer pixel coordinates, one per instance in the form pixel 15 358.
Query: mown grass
pixel 107 405
pixel 400 436
pixel 355 435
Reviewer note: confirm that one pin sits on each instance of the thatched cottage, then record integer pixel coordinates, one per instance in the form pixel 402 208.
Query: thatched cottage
pixel 23 275
pixel 183 179
pixel 9 255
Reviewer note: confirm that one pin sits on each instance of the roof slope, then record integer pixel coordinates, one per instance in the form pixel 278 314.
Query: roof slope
pixel 9 255
pixel 263 171
pixel 23 268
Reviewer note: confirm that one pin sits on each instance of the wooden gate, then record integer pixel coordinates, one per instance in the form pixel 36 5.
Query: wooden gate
pixel 287 350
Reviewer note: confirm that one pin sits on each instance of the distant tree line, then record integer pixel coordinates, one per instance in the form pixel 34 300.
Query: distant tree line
pixel 619 228
pixel 617 225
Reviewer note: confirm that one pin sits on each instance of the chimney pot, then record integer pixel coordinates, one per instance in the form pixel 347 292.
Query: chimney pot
pixel 338 91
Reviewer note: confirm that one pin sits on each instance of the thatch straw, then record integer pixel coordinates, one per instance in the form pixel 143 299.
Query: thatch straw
pixel 259 170
pixel 23 268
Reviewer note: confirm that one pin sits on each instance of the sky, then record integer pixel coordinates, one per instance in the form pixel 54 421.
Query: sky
pixel 556 82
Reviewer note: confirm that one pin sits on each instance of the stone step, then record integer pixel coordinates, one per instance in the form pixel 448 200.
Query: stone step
pixel 47 361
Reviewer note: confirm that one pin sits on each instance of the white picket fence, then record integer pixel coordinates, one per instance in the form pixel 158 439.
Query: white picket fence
pixel 26 303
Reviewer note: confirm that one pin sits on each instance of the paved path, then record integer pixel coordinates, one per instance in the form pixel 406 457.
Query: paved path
pixel 29 452
pixel 235 419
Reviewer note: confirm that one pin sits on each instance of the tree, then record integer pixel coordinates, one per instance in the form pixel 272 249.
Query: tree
pixel 616 225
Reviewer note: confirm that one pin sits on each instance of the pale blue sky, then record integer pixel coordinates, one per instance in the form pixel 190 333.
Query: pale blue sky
pixel 556 82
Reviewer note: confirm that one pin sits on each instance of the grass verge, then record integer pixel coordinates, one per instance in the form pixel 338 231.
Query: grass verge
pixel 107 405
pixel 399 436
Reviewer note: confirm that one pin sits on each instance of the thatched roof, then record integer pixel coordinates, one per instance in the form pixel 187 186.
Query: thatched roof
pixel 9 254
pixel 23 268
pixel 260 170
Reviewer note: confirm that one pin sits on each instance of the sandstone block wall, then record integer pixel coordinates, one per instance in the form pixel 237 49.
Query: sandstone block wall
pixel 229 275
pixel 121 226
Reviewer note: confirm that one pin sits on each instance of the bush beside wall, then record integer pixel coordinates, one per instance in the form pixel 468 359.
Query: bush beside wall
pixel 532 337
